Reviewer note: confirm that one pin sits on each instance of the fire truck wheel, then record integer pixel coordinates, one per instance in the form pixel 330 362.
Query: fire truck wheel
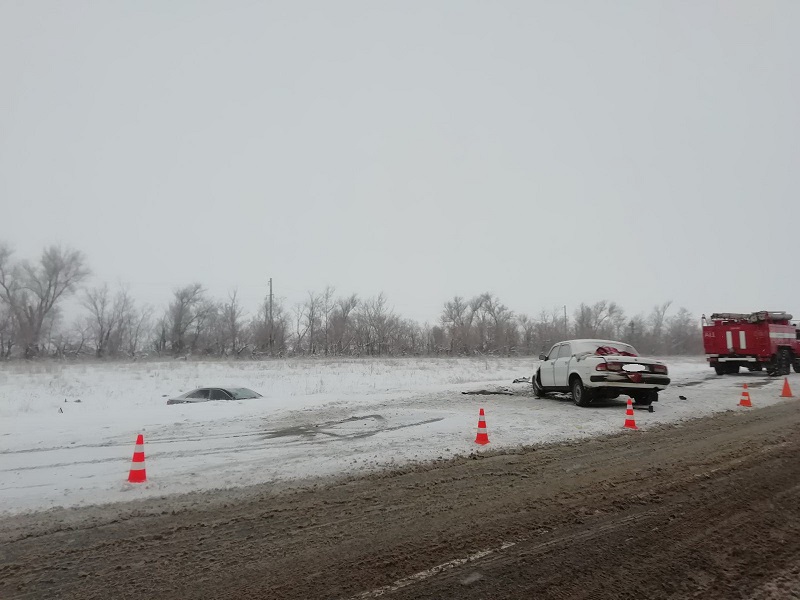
pixel 719 369
pixel 797 365
pixel 732 369
pixel 772 368
pixel 784 361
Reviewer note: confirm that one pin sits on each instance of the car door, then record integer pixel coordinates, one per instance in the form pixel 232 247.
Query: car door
pixel 561 366
pixel 546 368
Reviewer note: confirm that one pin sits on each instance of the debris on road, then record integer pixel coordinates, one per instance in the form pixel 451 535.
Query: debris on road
pixel 504 391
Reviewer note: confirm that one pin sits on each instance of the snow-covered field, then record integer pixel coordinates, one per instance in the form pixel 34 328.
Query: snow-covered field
pixel 317 418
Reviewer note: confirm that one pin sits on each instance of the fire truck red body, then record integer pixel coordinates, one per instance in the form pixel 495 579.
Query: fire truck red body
pixel 760 340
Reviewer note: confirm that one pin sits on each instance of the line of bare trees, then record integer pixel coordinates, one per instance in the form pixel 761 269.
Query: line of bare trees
pixel 112 325
pixel 483 324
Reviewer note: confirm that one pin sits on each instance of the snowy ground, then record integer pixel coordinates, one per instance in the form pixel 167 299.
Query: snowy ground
pixel 318 417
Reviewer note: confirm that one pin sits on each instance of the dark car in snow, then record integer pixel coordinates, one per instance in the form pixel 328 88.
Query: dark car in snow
pixel 214 393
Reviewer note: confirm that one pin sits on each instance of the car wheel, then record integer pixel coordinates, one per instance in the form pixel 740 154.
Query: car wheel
pixel 646 398
pixel 580 395
pixel 538 390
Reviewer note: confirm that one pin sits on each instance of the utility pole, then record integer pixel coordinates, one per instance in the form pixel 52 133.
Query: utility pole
pixel 271 339
pixel 566 335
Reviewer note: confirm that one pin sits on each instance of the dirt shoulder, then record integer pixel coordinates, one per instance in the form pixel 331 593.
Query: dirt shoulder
pixel 709 508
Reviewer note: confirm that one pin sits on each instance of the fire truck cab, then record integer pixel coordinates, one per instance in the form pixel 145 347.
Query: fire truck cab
pixel 760 340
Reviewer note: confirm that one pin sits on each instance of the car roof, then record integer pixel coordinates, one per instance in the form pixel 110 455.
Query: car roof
pixel 219 387
pixel 592 341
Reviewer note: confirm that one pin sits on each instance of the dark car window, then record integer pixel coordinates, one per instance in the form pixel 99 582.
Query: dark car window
pixel 219 395
pixel 244 393
pixel 198 394
pixel 565 351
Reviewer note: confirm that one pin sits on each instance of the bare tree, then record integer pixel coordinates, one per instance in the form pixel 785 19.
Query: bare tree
pixel 527 328
pixel 657 323
pixel 232 313
pixel 313 308
pixel 107 318
pixel 584 321
pixel 549 329
pixel 206 318
pixel 636 334
pixel 603 319
pixel 301 326
pixel 135 329
pixel 8 331
pixel 381 323
pixel 33 290
pixel 343 333
pixel 502 332
pixel 327 309
pixel 456 319
pixel 183 313
pixel 259 329
pixel 684 334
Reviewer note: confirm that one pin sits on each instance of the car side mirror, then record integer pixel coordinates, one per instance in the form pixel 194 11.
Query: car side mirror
pixel 543 356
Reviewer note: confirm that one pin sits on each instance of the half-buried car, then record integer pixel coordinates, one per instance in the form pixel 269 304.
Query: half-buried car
pixel 214 393
pixel 595 370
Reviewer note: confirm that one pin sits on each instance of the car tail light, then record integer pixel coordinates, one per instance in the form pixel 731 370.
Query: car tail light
pixel 609 366
pixel 662 369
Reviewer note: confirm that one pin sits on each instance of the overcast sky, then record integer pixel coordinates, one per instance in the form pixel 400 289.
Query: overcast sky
pixel 549 152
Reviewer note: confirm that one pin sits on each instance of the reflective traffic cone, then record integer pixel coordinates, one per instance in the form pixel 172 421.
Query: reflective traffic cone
pixel 787 391
pixel 745 400
pixel 482 438
pixel 630 422
pixel 138 474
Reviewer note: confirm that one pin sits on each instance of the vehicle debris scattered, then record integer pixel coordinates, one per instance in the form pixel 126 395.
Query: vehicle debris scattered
pixel 502 391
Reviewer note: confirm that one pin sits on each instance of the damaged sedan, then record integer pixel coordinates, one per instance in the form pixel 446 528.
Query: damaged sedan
pixel 594 370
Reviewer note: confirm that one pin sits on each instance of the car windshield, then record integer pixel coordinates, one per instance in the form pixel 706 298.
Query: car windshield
pixel 605 348
pixel 243 393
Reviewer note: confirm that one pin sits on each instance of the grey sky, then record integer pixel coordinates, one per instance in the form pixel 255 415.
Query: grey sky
pixel 550 152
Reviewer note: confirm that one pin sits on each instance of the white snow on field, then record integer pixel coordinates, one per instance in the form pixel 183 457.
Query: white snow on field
pixel 317 418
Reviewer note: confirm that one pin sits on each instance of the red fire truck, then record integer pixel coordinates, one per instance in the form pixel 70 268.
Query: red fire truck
pixel 760 340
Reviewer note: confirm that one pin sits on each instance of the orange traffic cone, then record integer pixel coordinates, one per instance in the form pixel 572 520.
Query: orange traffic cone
pixel 630 423
pixel 138 474
pixel 787 391
pixel 745 400
pixel 482 438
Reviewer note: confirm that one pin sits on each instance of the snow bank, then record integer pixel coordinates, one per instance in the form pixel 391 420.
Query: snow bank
pixel 67 430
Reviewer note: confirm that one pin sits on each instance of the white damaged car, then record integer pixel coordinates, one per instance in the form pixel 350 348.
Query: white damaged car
pixel 597 370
